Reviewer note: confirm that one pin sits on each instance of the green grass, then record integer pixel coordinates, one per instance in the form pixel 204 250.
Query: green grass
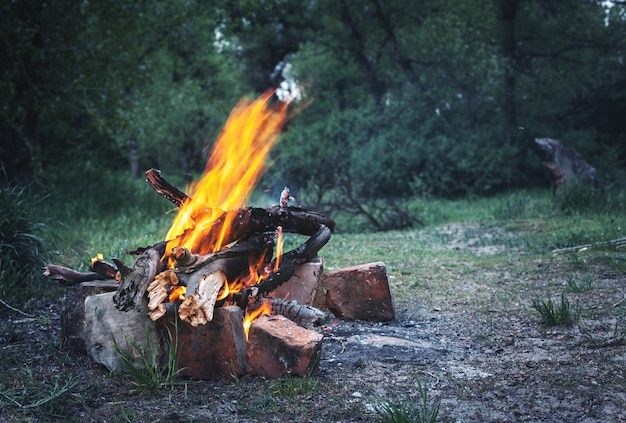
pixel 411 410
pixel 552 313
pixel 142 365
pixel 23 249
pixel 447 265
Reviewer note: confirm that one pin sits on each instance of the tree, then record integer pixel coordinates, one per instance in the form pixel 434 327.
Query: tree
pixel 139 82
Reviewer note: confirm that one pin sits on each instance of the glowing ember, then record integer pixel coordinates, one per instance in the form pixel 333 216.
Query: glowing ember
pixel 237 162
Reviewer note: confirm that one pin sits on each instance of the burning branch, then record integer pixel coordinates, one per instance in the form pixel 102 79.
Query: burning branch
pixel 204 276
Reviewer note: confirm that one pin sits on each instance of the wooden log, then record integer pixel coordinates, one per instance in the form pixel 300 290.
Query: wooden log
pixel 251 219
pixel 73 311
pixel 68 277
pixel 135 280
pixel 106 326
pixel 198 274
pixel 301 314
pixel 197 308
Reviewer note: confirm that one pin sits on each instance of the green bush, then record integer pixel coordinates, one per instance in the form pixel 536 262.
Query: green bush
pixel 23 252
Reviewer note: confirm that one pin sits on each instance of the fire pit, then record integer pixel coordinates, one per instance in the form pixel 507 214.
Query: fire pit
pixel 221 267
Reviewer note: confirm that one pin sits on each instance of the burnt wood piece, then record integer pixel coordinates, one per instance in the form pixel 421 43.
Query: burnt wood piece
pixel 195 271
pixel 231 260
pixel 164 188
pixel 67 277
pixel 565 165
pixel 304 315
pixel 251 219
pixel 287 267
pixel 135 280
pixel 104 268
pixel 251 227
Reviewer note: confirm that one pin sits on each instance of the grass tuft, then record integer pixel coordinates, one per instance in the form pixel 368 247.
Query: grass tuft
pixel 143 367
pixel 553 314
pixel 409 411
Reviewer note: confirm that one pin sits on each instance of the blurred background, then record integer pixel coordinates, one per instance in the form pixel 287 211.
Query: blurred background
pixel 396 99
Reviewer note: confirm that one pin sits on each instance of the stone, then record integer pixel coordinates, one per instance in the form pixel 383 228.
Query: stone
pixel 279 347
pixel 106 326
pixel 73 312
pixel 360 292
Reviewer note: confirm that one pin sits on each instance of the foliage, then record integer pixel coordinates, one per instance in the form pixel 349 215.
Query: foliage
pixel 553 314
pixel 23 251
pixel 431 100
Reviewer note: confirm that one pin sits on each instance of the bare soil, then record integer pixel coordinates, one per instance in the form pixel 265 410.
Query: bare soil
pixel 475 342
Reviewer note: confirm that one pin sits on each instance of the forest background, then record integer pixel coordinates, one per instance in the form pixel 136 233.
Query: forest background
pixel 404 100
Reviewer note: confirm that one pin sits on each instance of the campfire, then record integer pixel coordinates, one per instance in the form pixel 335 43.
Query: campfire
pixel 220 258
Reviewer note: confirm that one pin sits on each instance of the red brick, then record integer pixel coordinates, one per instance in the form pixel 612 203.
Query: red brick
pixel 305 286
pixel 278 347
pixel 212 351
pixel 360 292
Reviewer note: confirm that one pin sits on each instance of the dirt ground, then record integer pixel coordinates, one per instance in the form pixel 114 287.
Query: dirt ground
pixel 482 361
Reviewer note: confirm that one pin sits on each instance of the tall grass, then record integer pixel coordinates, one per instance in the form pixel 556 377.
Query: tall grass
pixel 104 212
pixel 23 251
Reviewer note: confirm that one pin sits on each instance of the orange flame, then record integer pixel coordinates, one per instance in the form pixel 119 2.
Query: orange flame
pixel 265 308
pixel 279 247
pixel 178 293
pixel 237 161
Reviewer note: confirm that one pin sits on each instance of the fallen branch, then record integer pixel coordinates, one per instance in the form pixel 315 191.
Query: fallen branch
pixel 15 309
pixel 68 277
pixel 617 243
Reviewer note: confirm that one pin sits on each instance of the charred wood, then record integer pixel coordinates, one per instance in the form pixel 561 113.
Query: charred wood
pixel 304 315
pixel 250 220
pixel 134 281
pixel 67 277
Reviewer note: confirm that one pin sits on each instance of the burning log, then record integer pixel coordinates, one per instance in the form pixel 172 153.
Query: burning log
pixel 204 276
pixel 197 308
pixel 249 220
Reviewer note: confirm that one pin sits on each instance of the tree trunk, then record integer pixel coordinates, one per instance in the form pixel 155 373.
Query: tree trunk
pixel 508 10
